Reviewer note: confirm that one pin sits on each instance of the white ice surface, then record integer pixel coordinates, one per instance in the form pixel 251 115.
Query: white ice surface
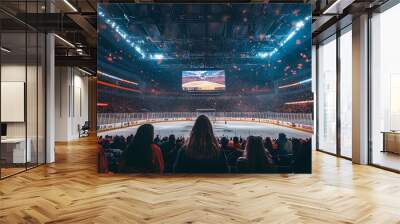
pixel 232 128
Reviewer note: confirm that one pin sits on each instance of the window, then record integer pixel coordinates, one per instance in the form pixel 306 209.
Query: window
pixel 385 87
pixel 346 93
pixel 327 96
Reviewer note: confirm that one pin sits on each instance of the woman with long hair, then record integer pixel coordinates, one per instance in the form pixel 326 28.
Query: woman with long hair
pixel 142 155
pixel 256 158
pixel 284 145
pixel 268 144
pixel 201 153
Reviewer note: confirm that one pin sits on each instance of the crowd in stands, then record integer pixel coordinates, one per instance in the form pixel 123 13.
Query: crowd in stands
pixel 202 152
pixel 274 102
pixel 297 108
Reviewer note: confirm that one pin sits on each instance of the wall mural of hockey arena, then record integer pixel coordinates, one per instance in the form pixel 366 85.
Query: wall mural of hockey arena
pixel 205 88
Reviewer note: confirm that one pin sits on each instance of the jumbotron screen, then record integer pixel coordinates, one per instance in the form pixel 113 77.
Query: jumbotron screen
pixel 203 81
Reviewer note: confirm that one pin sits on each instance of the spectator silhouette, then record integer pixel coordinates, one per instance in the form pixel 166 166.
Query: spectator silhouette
pixel 142 155
pixel 256 159
pixel 201 154
pixel 169 150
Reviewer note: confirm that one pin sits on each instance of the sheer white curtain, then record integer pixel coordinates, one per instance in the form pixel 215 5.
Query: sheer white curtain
pixel 327 96
pixel 346 94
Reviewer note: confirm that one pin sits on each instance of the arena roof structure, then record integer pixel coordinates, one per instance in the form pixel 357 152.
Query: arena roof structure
pixel 266 42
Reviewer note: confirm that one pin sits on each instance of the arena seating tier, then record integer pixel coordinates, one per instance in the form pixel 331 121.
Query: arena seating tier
pixel 296 160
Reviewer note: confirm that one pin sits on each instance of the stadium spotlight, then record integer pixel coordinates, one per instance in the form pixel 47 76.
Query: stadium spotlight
pixel 124 35
pixel 299 25
pixel 263 54
pixel 157 56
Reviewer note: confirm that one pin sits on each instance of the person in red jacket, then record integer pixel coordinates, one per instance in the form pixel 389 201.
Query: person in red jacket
pixel 142 155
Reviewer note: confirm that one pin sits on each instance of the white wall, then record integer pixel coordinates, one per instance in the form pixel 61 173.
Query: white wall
pixel 80 110
pixel 16 73
pixel 61 103
pixel 71 102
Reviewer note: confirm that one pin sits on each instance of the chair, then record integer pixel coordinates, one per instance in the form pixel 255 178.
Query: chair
pixel 84 130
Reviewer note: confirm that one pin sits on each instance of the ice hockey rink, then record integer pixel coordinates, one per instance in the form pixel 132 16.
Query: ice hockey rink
pixel 230 129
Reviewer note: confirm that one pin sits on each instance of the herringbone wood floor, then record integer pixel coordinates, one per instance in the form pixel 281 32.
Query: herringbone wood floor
pixel 70 191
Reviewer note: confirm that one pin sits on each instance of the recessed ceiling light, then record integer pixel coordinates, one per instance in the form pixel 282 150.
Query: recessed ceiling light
pixel 64 40
pixel 84 71
pixel 337 7
pixel 70 5
pixel 5 50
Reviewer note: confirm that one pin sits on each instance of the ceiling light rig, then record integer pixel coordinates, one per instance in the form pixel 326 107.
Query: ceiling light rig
pixel 300 102
pixel 299 25
pixel 133 44
pixel 295 84
pixel 116 78
pixel 157 56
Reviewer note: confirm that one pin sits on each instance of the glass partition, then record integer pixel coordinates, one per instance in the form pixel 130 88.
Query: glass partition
pixel 41 97
pixel 13 94
pixel 31 97
pixel 22 90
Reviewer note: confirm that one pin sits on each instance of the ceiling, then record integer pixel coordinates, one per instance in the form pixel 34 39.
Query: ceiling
pixel 76 21
pixel 201 36
pixel 256 44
